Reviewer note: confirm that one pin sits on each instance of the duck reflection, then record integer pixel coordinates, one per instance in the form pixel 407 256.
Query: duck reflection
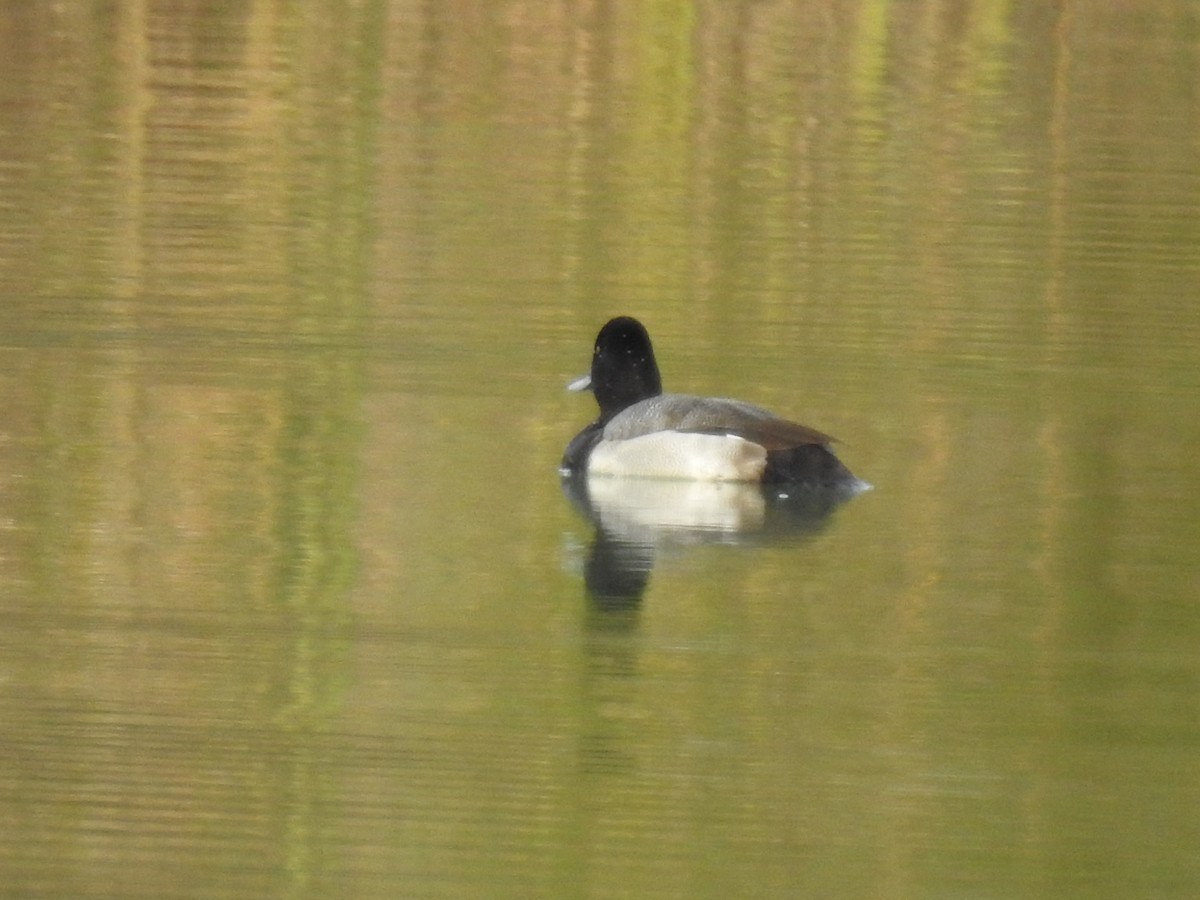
pixel 636 518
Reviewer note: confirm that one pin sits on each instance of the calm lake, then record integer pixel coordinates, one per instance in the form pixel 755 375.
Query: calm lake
pixel 293 602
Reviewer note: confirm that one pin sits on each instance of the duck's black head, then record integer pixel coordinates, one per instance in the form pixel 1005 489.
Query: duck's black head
pixel 623 368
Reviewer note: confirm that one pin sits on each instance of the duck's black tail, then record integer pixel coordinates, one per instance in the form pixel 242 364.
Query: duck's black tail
pixel 811 466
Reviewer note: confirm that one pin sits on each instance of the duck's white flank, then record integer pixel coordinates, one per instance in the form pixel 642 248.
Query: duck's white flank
pixel 679 454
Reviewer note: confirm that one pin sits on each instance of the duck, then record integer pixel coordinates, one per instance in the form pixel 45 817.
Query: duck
pixel 642 432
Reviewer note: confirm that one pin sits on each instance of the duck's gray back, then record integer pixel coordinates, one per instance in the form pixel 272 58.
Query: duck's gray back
pixel 710 415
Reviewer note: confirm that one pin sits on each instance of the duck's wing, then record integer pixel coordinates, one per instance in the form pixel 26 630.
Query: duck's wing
pixel 722 416
pixel 712 415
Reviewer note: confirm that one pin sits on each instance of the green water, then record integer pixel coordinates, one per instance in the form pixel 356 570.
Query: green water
pixel 292 602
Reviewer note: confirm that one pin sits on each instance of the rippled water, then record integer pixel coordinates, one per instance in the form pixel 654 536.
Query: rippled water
pixel 294 602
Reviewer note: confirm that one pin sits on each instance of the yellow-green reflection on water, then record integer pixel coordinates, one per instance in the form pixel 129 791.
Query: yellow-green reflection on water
pixel 292 601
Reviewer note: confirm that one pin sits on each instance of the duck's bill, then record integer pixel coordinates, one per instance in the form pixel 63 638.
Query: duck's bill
pixel 582 383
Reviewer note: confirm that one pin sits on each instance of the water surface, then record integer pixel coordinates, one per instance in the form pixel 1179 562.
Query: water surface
pixel 293 601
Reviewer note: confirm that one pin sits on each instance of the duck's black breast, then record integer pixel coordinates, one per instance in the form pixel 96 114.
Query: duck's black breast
pixel 575 457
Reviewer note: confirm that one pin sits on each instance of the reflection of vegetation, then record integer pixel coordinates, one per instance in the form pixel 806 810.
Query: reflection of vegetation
pixel 931 221
pixel 192 290
pixel 316 482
